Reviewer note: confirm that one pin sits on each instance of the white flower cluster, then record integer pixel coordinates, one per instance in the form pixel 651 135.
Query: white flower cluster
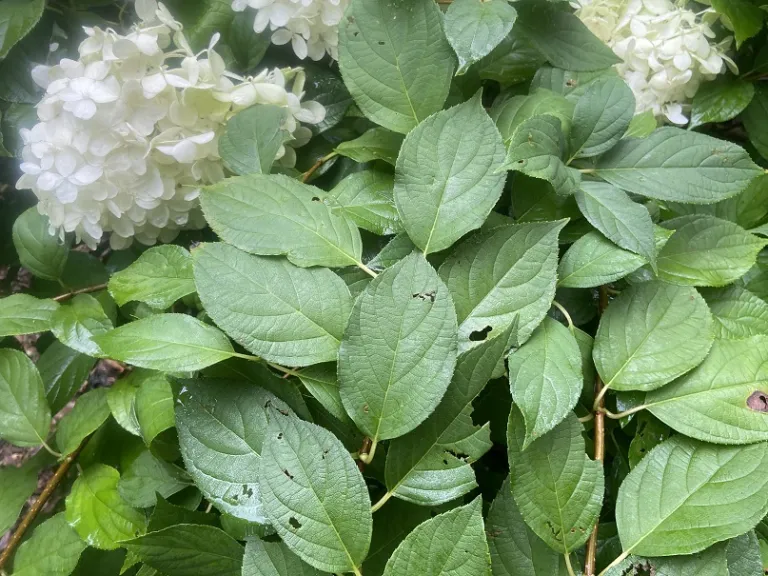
pixel 667 50
pixel 129 132
pixel 311 26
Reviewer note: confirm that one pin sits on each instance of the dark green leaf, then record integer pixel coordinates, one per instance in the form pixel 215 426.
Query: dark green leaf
pixel 273 559
pixel 16 486
pixel 39 252
pixel 17 18
pixel 148 476
pixel 745 18
pixel 63 371
pixel 374 144
pixel 720 100
pixel 593 260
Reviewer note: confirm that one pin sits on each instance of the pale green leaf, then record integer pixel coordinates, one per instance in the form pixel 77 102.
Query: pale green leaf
pixel 367 199
pixel 25 314
pixel 153 405
pixel 446 179
pixel 724 400
pixel 40 252
pixel 744 17
pixel 321 381
pixel 16 486
pixel 545 378
pixel 78 321
pixel 166 342
pixel 450 544
pixel 673 164
pixel 273 559
pixel 25 417
pixel 401 337
pixel 562 38
pixel 642 125
pixel 97 512
pixel 707 251
pixel 189 550
pixel 686 495
pixel 650 335
pixel 557 488
pixel 90 411
pixel 148 476
pixel 475 27
pixel 737 312
pixel 374 144
pixel 593 260
pixel 432 464
pixel 314 495
pixel 252 139
pixel 159 277
pixel 395 60
pixel 17 18
pixel 53 550
pixel 121 398
pixel 601 117
pixel 624 222
pixel 720 100
pixel 222 425
pixel 501 274
pixel 283 313
pixel 273 215
pixel 515 548
pixel 63 372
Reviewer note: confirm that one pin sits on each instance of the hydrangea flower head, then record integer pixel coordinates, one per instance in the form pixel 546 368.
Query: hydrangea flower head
pixel 311 26
pixel 667 50
pixel 128 133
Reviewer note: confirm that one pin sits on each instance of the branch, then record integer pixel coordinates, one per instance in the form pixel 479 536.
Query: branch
pixel 34 510
pixel 87 290
pixel 308 174
pixel 589 563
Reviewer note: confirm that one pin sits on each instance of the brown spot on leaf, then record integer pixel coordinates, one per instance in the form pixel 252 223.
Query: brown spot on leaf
pixel 758 401
pixel 288 474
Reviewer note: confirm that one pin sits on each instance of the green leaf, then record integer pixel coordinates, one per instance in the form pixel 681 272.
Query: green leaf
pixel 159 277
pixel 166 342
pixel 17 18
pixel 121 398
pixel 452 543
pixel 593 260
pixel 513 60
pixel 324 86
pixel 391 525
pixel 97 512
pixel 686 495
pixel 724 400
pixel 557 488
pixel 274 215
pixel 314 495
pixel 153 405
pixel 446 179
pixel 210 17
pixel 475 27
pixel 16 486
pixel 642 125
pixel 273 559
pixel 24 314
pixel 374 144
pixel 25 417
pixel 252 139
pixel 720 100
pixel 78 321
pixel 395 60
pixel 710 562
pixel 673 164
pixel 39 252
pixel 745 18
pixel 90 411
pixel 562 38
pixel 148 476
pixel 650 335
pixel 535 150
pixel 432 464
pixel 601 117
pixel 321 381
pixel 222 425
pixel 755 118
pixel 189 550
pixel 650 432
pixel 401 336
pixel 501 274
pixel 515 548
pixel 743 556
pixel 247 47
pixel 509 114
pixel 367 199
pixel 545 378
pixel 165 515
pixel 63 372
pixel 283 313
pixel 737 312
pixel 621 220
pixel 707 251
pixel 53 550
pixel 535 200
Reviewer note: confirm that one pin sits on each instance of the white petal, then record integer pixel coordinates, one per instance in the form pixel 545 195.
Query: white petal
pixel 88 174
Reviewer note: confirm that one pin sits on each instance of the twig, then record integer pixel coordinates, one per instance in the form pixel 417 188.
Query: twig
pixel 308 174
pixel 564 312
pixel 87 290
pixel 589 563
pixel 34 510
